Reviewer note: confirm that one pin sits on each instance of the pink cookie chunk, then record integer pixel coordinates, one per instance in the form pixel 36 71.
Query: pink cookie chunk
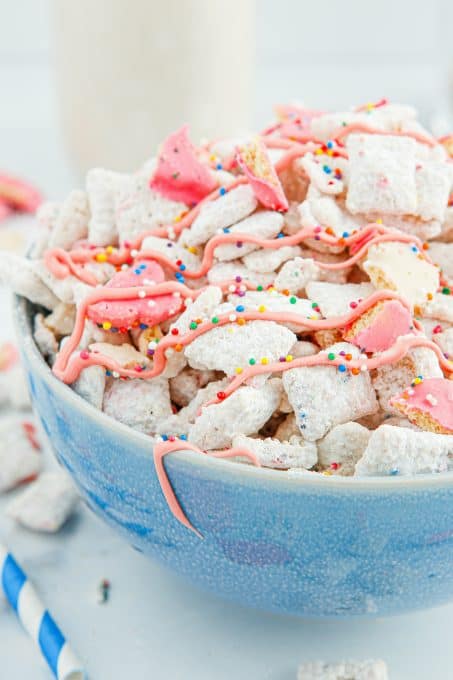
pixel 180 176
pixel 429 404
pixel 127 313
pixel 254 161
pixel 19 195
pixel 296 122
pixel 379 328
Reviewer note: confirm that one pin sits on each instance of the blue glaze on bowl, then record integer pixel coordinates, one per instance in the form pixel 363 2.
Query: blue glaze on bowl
pixel 309 546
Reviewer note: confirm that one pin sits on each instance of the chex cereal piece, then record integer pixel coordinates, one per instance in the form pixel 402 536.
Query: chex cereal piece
pixel 125 354
pixel 61 319
pixel 46 504
pixel 330 275
pixel 381 174
pixel 233 346
pixel 402 268
pixel 296 274
pixel 44 338
pixel 391 379
pixel 287 428
pixel 138 208
pixel 172 250
pixel 20 275
pixel 310 391
pixel 303 348
pixel 282 455
pixel 445 341
pixel 179 423
pixel 71 221
pixel 243 412
pixel 398 450
pixel 428 403
pixel 90 385
pixel 342 447
pixel 202 308
pixel 319 209
pixel 236 270
pixel 347 670
pixel 380 326
pixel 225 211
pixel 321 173
pixel 335 299
pixel 185 386
pixel 433 182
pixel 64 290
pixel 265 224
pixel 442 254
pixel 141 404
pixel 19 459
pixel 270 260
pixel 409 224
pixel 180 175
pixel 254 161
pixel 102 186
pixel 441 306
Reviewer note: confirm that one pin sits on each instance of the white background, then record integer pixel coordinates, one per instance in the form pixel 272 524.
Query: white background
pixel 329 55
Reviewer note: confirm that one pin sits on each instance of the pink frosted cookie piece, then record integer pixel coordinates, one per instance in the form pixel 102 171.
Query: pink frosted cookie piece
pixel 296 121
pixel 179 175
pixel 254 161
pixel 124 313
pixel 18 194
pixel 379 328
pixel 428 404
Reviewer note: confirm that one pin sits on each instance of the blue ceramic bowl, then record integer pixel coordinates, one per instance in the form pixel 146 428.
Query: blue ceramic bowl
pixel 309 546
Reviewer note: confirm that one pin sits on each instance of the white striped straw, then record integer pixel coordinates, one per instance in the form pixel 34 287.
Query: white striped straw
pixel 37 621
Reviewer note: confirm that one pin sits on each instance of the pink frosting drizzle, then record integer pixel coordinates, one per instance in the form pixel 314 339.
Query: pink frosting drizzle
pixel 180 175
pixel 346 130
pixel 68 368
pixel 162 449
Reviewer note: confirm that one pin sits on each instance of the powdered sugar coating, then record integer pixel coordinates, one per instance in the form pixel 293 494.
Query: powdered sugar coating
pixel 245 412
pixel 399 450
pixel 151 399
pixel 281 455
pixel 231 346
pixel 342 447
pixel 310 389
pixel 347 670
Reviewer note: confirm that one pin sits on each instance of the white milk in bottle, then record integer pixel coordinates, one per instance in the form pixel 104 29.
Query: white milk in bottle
pixel 131 71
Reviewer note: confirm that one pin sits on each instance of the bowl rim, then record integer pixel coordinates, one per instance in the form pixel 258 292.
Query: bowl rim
pixel 227 468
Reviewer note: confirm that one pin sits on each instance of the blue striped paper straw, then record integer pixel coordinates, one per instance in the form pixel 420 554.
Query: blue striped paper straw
pixel 37 621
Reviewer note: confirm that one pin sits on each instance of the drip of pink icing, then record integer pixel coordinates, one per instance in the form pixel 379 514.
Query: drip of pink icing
pixel 179 175
pixel 393 320
pixel 262 176
pixel 346 130
pixel 162 449
pixel 432 396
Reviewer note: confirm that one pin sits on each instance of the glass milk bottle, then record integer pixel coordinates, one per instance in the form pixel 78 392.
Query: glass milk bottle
pixel 128 73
